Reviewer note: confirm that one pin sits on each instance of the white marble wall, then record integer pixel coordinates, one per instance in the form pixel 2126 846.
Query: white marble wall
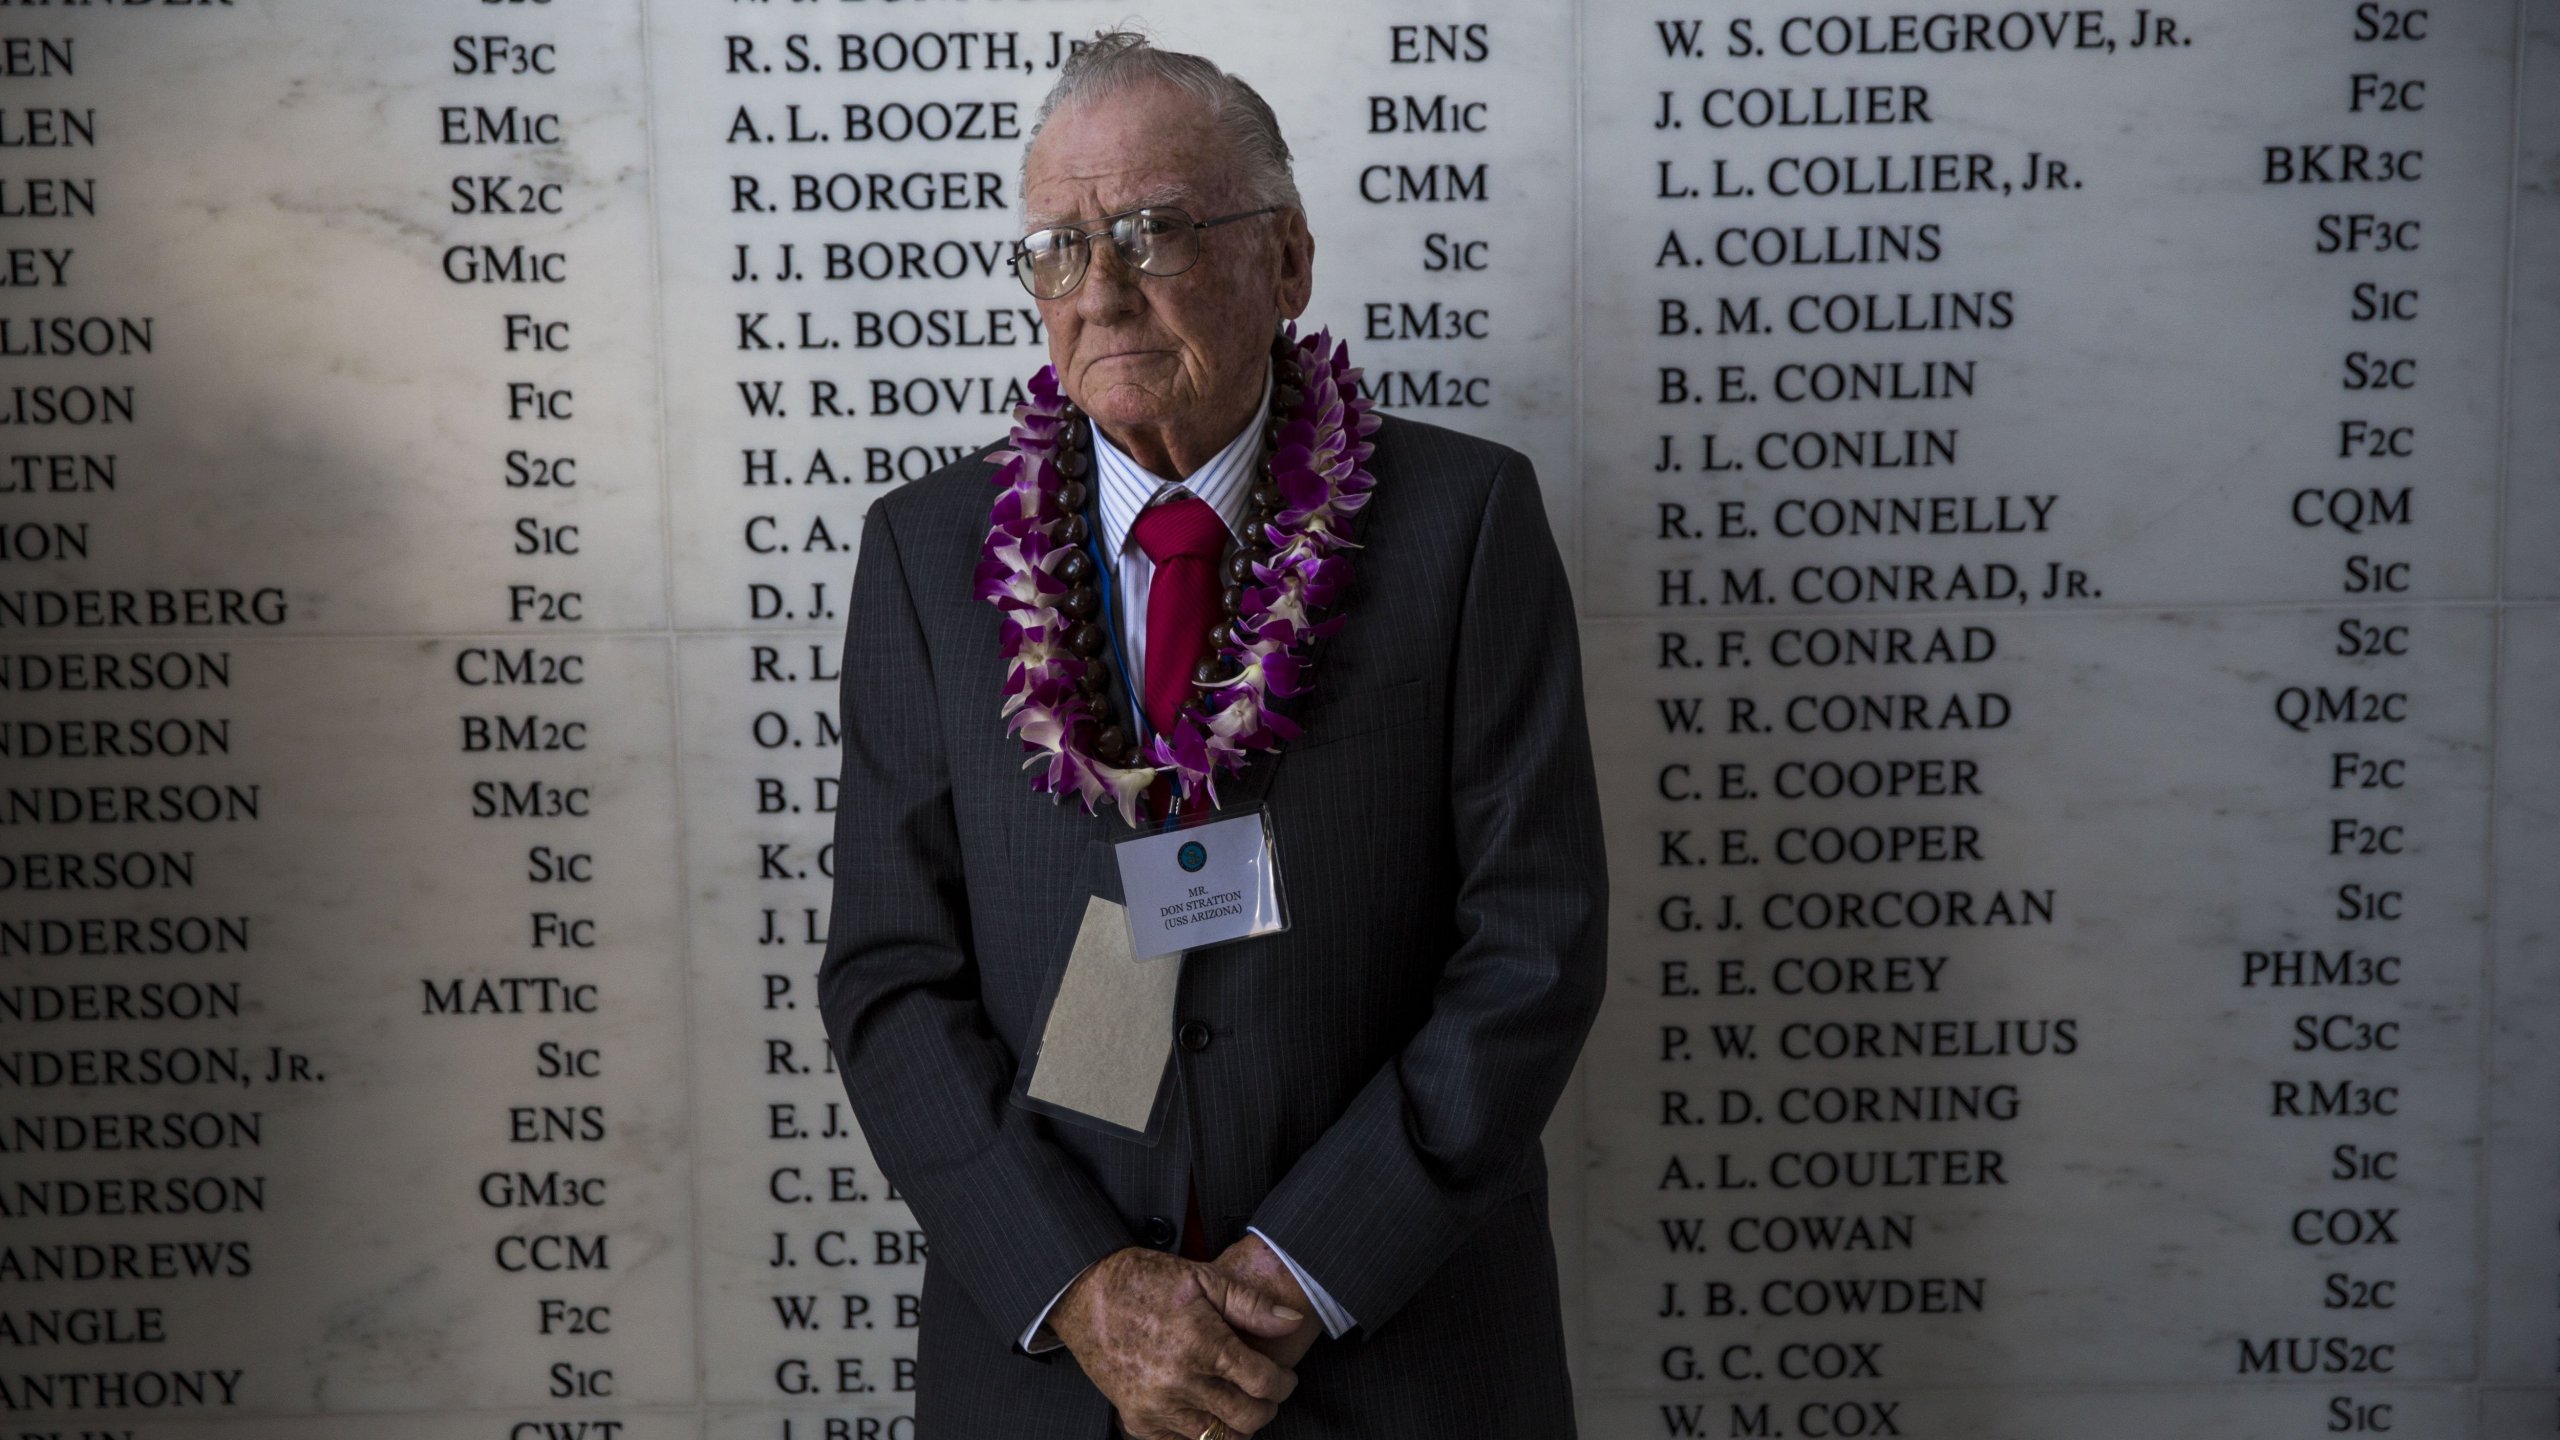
pixel 500 809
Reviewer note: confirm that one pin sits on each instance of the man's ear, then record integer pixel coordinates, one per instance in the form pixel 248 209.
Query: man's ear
pixel 1293 278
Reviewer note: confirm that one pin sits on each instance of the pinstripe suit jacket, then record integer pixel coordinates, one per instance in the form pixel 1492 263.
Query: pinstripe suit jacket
pixel 1375 1077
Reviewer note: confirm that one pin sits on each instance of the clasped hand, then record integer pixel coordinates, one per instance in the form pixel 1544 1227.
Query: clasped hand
pixel 1176 1345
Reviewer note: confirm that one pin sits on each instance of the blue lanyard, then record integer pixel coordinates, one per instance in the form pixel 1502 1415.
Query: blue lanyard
pixel 1108 576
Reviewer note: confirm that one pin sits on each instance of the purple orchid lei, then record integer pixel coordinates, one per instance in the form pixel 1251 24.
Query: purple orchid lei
pixel 1053 694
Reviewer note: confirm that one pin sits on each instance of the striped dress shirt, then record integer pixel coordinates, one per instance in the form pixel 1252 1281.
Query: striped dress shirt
pixel 1124 488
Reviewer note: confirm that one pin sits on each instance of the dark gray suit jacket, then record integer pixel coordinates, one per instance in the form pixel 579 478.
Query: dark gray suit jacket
pixel 1374 1078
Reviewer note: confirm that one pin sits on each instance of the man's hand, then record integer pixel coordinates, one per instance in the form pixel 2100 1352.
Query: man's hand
pixel 1159 1337
pixel 1256 1270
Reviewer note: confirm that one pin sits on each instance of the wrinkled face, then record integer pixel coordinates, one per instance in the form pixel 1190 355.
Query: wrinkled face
pixel 1162 353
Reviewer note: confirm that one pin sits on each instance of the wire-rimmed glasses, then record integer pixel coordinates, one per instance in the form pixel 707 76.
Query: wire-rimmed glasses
pixel 1154 239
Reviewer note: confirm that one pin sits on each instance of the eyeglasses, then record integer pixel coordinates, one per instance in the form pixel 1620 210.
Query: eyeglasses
pixel 1154 240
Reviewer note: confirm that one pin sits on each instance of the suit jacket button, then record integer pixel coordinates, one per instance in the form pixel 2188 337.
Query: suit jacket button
pixel 1159 1232
pixel 1193 1035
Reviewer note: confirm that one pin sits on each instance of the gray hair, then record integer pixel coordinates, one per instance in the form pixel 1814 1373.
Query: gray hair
pixel 1115 62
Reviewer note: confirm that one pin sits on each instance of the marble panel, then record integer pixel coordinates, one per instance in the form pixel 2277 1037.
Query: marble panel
pixel 2118 1036
pixel 1899 307
pixel 368 366
pixel 838 195
pixel 347 1049
pixel 811 1269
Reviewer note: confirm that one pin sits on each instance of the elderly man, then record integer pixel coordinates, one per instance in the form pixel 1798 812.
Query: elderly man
pixel 1199 582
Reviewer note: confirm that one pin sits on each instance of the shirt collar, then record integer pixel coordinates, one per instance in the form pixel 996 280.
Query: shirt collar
pixel 1226 482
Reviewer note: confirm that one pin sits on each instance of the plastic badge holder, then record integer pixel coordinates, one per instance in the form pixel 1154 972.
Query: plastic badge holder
pixel 1200 881
pixel 1102 1058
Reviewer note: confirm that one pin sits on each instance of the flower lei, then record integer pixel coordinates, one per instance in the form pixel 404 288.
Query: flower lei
pixel 1288 573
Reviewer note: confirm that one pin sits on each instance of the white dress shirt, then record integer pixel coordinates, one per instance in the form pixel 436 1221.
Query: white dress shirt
pixel 1123 489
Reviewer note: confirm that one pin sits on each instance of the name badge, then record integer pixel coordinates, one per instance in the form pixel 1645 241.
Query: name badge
pixel 1203 883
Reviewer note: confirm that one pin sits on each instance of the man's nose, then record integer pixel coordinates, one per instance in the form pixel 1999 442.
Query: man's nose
pixel 1110 289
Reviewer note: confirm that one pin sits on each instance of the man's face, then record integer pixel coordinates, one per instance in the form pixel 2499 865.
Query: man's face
pixel 1162 354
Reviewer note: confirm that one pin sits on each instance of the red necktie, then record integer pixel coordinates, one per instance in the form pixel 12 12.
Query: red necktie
pixel 1185 539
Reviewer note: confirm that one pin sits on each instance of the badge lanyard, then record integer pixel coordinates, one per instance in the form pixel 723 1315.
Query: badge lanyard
pixel 1110 575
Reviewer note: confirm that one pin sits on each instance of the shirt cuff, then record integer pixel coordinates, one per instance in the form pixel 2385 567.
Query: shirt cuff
pixel 1040 1340
pixel 1337 1321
